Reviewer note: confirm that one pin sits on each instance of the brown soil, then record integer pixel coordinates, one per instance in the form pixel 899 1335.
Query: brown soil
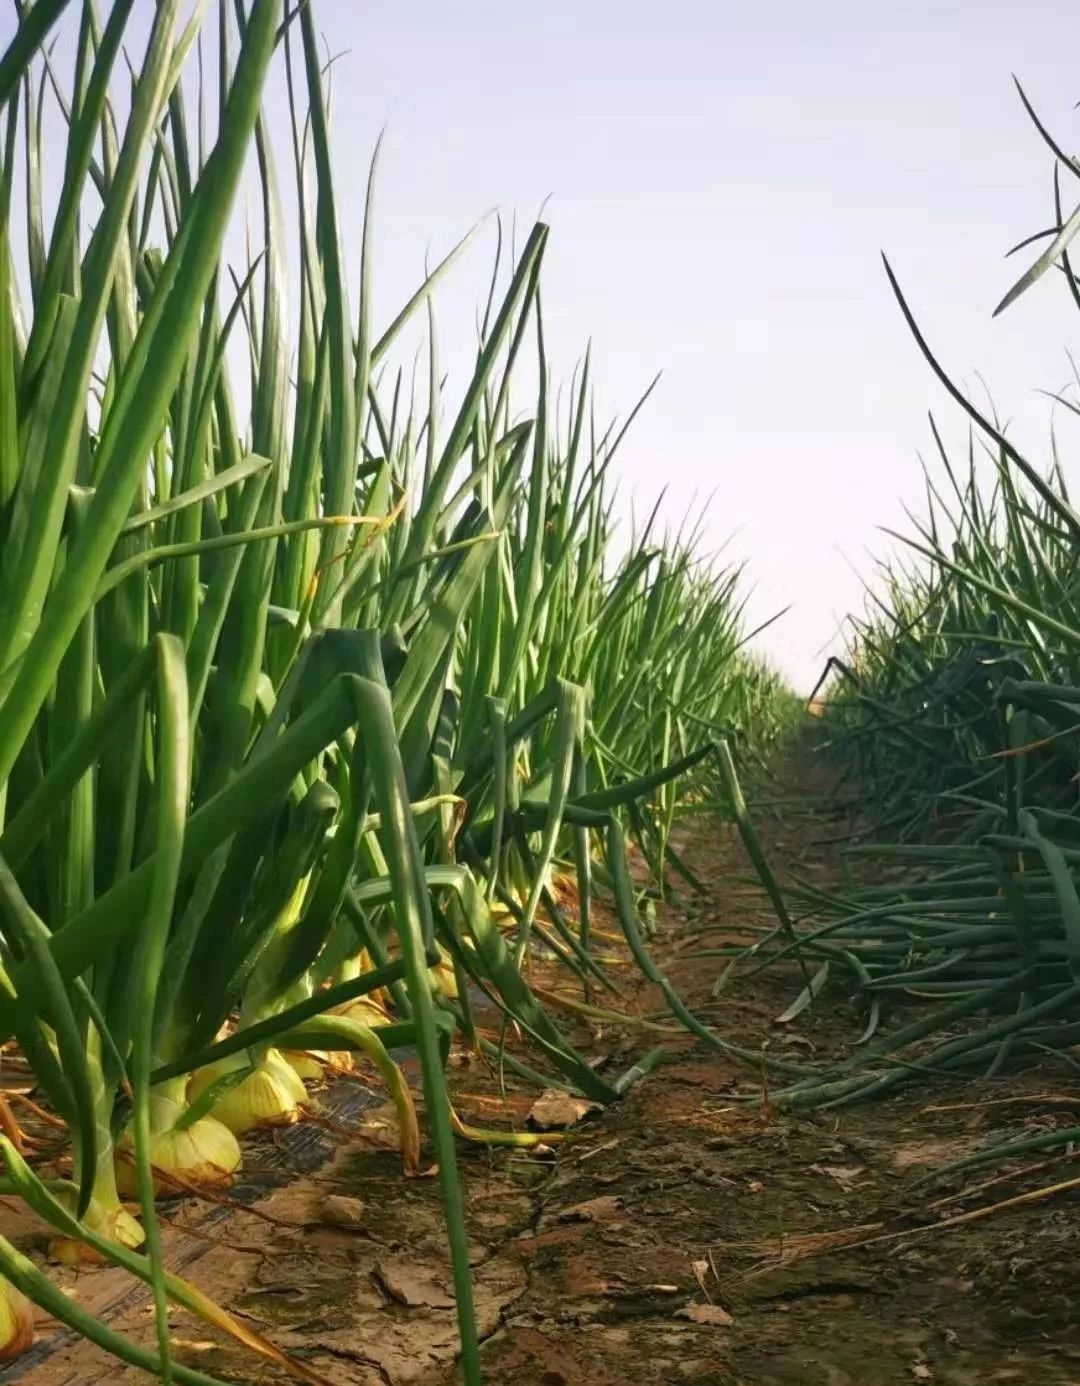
pixel 666 1241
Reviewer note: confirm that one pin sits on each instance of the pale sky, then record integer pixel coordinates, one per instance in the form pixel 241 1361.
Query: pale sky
pixel 721 179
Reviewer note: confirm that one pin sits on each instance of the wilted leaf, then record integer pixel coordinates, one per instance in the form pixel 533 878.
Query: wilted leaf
pixel 845 1175
pixel 553 1109
pixel 412 1285
pixel 592 1210
pixel 707 1314
pixel 342 1211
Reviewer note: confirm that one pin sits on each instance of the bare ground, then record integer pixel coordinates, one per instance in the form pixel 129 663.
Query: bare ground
pixel 664 1242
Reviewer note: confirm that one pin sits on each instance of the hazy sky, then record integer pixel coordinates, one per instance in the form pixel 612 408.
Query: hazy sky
pixel 721 178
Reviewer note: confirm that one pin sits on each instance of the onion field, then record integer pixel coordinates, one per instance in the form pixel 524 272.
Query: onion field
pixel 346 735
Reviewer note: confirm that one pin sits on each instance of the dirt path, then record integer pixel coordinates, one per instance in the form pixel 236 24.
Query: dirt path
pixel 657 1247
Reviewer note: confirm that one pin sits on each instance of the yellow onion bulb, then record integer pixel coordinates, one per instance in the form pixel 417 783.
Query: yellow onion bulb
pixel 364 1011
pixel 272 1094
pixel 312 1064
pixel 443 977
pixel 16 1322
pixel 307 1064
pixel 113 1222
pixel 204 1155
pixel 361 964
